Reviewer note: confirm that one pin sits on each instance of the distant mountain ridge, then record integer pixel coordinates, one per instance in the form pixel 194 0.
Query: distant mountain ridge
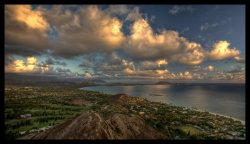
pixel 13 78
pixel 163 82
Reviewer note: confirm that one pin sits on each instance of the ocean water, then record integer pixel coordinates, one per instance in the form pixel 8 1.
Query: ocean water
pixel 225 99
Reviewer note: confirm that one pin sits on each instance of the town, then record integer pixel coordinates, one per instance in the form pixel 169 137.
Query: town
pixel 36 109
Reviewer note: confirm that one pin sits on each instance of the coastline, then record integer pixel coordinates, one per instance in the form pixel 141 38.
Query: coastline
pixel 242 122
pixel 176 121
pixel 213 113
pixel 199 110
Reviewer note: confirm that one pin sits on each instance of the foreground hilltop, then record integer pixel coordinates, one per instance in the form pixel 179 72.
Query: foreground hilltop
pixel 91 125
pixel 70 113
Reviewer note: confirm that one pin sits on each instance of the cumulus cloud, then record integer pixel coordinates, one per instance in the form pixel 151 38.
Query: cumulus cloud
pixel 209 68
pixel 221 51
pixel 85 64
pixel 184 75
pixel 178 9
pixel 51 61
pixel 25 14
pixel 118 67
pixel 31 65
pixel 117 9
pixel 25 30
pixel 88 75
pixel 161 62
pixel 8 59
pixel 163 74
pixel 88 30
pixel 134 14
pixel 63 70
pixel 144 44
pixel 18 66
pixel 149 65
pixel 193 54
pixel 238 75
pixel 109 64
pixel 239 59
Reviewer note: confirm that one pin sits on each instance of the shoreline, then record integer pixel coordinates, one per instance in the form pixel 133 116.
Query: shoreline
pixel 236 119
pixel 199 110
pixel 213 113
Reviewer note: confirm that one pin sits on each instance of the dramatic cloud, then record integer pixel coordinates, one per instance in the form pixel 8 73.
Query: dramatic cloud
pixel 209 68
pixel 117 9
pixel 22 66
pixel 229 75
pixel 63 70
pixel 178 9
pixel 51 61
pixel 117 66
pixel 85 63
pixel 88 30
pixel 88 75
pixel 134 14
pixel 193 54
pixel 32 18
pixel 25 30
pixel 149 65
pixel 110 41
pixel 144 44
pixel 221 51
pixel 239 59
pixel 162 62
pixel 31 65
pixel 184 75
pixel 8 59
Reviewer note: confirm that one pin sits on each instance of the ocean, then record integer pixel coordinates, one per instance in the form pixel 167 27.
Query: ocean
pixel 225 99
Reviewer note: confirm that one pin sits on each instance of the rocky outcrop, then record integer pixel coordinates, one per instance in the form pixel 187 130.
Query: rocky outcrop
pixel 90 125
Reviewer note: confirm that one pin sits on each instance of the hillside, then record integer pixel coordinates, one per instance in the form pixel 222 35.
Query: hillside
pixel 91 125
pixel 71 113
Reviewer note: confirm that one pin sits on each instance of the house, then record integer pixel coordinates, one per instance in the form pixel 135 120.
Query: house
pixel 25 116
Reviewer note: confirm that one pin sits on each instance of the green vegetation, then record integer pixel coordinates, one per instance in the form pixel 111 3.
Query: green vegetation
pixel 31 109
pixel 47 106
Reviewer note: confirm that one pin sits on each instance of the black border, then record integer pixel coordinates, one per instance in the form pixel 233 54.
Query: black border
pixel 198 2
pixel 124 1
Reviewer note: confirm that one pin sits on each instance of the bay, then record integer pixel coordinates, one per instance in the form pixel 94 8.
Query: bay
pixel 225 99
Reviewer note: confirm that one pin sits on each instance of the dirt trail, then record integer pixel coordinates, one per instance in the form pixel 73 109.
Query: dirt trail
pixel 90 125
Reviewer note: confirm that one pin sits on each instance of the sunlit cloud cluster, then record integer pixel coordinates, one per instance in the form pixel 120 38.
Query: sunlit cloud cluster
pixel 221 51
pixel 31 65
pixel 144 52
pixel 210 68
pixel 18 66
pixel 239 59
pixel 32 18
pixel 88 75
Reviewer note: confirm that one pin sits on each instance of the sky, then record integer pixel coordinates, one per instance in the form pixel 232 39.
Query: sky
pixel 127 42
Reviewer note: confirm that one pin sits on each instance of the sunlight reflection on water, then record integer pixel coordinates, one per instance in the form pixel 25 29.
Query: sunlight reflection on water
pixel 223 99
